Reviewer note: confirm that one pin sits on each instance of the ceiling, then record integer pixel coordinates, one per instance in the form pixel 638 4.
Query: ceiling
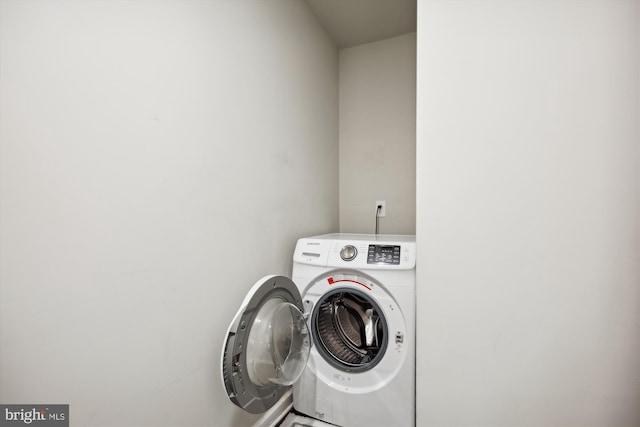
pixel 354 22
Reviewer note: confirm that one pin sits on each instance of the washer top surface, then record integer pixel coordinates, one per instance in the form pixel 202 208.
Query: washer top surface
pixel 367 237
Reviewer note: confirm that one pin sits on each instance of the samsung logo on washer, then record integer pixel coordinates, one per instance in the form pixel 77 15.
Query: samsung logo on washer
pixel 39 415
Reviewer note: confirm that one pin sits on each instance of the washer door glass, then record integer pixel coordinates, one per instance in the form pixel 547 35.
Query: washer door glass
pixel 278 345
pixel 267 345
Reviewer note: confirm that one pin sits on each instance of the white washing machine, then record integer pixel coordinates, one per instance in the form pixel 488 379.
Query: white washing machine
pixel 335 343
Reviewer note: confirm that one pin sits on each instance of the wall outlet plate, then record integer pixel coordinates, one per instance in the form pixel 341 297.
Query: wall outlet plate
pixel 383 209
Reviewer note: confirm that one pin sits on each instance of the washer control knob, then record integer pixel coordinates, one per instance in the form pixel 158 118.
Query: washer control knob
pixel 348 253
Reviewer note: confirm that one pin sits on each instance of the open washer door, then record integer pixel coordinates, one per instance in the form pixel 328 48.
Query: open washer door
pixel 267 345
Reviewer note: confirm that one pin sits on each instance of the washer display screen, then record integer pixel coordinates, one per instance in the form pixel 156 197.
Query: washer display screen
pixel 383 254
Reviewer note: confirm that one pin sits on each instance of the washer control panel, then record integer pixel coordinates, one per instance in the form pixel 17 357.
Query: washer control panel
pixel 385 252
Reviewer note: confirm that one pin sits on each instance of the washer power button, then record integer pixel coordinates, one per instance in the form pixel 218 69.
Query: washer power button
pixel 348 253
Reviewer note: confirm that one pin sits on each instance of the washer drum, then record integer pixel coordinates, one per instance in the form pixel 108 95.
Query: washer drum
pixel 350 330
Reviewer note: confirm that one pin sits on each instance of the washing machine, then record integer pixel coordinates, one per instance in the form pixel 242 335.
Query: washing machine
pixel 334 344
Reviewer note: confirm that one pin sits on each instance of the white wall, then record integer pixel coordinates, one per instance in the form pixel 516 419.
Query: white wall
pixel 528 222
pixel 156 158
pixel 377 135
